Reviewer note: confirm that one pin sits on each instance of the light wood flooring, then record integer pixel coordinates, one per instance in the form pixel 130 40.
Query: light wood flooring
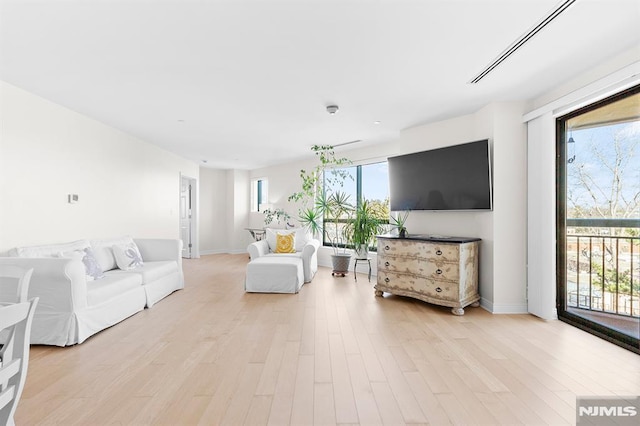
pixel 332 354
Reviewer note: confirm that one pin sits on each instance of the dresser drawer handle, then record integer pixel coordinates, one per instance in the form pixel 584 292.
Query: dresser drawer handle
pixel 438 289
pixel 439 252
pixel 386 264
pixel 386 280
pixel 439 271
pixel 387 247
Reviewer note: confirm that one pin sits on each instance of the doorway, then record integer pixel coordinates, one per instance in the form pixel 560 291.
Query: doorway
pixel 598 218
pixel 188 216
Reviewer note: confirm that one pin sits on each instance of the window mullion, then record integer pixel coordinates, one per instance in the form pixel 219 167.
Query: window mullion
pixel 358 185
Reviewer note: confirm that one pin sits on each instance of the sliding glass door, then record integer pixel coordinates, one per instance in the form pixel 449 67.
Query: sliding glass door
pixel 598 218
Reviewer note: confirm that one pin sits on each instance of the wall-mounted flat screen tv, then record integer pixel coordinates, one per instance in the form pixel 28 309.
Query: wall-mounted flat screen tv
pixel 456 177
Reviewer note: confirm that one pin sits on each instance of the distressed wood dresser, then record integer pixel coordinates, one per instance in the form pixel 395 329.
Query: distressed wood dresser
pixel 439 270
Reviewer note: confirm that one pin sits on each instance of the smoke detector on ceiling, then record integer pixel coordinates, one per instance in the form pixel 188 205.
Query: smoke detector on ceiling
pixel 332 109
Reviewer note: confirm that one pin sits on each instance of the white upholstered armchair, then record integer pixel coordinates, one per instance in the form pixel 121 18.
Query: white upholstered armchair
pixel 306 248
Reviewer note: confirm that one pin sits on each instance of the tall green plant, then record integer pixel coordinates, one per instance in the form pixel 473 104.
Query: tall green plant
pixel 336 207
pixel 367 223
pixel 328 171
pixel 319 202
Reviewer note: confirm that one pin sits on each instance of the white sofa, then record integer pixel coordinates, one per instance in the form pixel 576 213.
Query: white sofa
pixel 73 307
pixel 306 251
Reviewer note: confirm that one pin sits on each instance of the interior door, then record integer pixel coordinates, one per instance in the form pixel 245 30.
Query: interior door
pixel 186 216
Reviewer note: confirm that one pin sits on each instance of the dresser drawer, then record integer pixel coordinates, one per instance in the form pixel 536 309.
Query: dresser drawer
pixel 428 268
pixel 431 251
pixel 402 283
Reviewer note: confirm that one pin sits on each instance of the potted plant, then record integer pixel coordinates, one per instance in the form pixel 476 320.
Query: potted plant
pixel 367 223
pixel 335 208
pixel 399 221
pixel 323 206
pixel 279 215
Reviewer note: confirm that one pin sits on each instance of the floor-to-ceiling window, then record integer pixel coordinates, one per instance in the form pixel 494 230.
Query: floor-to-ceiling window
pixel 599 218
pixel 368 182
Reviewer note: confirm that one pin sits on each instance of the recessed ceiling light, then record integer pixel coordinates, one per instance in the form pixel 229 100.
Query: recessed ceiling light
pixel 377 122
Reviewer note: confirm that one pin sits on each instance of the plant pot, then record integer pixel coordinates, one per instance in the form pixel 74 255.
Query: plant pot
pixel 403 232
pixel 362 251
pixel 340 264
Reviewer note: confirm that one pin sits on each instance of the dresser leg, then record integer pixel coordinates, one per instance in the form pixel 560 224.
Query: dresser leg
pixel 457 311
pixel 475 304
pixel 379 293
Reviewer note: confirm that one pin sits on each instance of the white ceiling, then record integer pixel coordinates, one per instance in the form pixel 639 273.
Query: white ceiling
pixel 245 83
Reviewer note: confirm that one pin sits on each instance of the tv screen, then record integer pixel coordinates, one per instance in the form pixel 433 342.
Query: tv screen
pixel 452 178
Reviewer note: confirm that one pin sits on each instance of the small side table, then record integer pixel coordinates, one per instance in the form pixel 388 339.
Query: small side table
pixel 355 275
pixel 257 233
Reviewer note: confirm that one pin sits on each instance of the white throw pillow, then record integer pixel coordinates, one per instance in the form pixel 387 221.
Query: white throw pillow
pixel 303 236
pixel 127 256
pixel 104 252
pixel 87 256
pixel 91 264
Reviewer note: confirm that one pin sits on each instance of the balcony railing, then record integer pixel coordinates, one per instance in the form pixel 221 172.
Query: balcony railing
pixel 603 265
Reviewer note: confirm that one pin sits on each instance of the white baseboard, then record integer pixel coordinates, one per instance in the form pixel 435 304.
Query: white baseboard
pixel 517 308
pixel 223 251
pixel 206 252
pixel 552 316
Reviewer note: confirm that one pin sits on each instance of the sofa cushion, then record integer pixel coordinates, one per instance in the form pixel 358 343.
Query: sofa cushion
pixel 104 251
pixel 111 285
pixel 150 271
pixel 48 250
pixel 297 254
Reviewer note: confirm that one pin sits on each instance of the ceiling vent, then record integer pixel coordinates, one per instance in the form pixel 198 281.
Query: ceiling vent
pixel 561 7
pixel 347 143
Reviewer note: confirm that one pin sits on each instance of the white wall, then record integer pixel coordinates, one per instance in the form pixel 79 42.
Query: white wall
pixel 238 206
pixel 541 233
pixel 284 180
pixel 125 186
pixel 509 209
pixel 213 211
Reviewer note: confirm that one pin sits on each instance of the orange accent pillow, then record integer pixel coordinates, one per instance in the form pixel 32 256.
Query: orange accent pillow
pixel 285 243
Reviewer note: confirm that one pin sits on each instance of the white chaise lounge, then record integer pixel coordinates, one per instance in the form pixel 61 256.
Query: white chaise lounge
pixel 271 272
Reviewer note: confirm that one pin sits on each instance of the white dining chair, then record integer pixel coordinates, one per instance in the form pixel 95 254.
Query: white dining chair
pixel 16 318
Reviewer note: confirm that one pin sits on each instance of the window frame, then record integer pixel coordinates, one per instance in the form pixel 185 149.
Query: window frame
pixel 562 159
pixel 259 194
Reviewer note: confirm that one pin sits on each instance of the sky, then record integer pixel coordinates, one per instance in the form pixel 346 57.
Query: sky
pixel 595 153
pixel 375 182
